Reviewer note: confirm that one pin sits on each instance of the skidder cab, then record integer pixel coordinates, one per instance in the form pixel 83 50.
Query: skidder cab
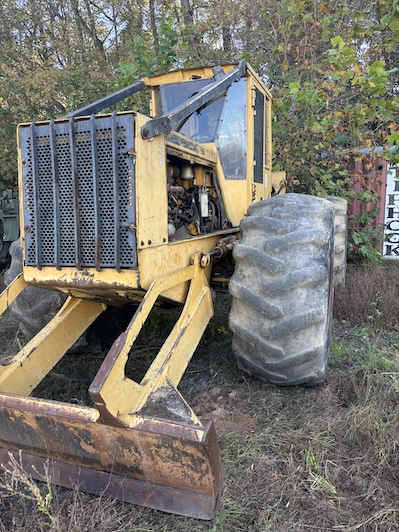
pixel 119 208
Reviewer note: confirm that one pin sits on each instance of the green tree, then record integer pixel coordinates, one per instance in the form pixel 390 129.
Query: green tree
pixel 333 91
pixel 55 56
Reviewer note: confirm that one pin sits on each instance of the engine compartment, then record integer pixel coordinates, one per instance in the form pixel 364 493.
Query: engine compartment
pixel 195 203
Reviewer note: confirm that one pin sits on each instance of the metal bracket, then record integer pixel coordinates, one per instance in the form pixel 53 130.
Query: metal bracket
pixel 26 369
pixel 108 101
pixel 119 399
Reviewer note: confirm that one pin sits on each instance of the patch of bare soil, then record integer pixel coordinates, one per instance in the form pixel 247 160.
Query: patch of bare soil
pixel 295 459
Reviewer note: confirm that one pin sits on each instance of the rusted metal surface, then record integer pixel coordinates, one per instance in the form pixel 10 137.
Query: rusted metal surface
pixel 176 471
pixel 368 174
pixel 117 487
pixel 68 192
pixel 200 153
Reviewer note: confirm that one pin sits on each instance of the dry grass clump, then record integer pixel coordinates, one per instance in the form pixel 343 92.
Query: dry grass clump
pixel 370 297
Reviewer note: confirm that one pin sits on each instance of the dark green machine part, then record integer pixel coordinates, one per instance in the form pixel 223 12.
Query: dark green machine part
pixel 9 225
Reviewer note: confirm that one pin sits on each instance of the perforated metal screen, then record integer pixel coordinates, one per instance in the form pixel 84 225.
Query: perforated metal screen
pixel 78 192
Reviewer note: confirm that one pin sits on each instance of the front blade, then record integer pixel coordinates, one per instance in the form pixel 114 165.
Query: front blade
pixel 161 464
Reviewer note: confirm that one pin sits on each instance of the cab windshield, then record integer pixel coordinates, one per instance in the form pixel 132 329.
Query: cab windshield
pixel 222 121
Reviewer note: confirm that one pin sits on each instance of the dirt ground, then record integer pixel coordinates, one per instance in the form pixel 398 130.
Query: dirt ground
pixel 323 458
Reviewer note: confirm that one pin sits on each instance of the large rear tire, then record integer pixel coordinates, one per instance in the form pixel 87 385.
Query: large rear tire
pixel 340 238
pixel 282 289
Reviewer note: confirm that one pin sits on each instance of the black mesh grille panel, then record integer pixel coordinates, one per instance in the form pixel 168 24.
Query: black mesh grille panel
pixel 78 187
pixel 259 122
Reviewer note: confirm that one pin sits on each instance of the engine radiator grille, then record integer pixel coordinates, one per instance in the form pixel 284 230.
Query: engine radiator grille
pixel 78 192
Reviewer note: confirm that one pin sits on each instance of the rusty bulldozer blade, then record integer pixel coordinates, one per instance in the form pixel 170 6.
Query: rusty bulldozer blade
pixel 167 466
pixel 141 442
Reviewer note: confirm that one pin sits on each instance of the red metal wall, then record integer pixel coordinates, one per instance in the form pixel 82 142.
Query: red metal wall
pixel 369 174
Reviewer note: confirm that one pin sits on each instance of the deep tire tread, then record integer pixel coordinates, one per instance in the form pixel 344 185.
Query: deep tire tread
pixel 266 224
pixel 255 340
pixel 294 324
pixel 262 259
pixel 303 277
pixel 246 295
pixel 299 238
